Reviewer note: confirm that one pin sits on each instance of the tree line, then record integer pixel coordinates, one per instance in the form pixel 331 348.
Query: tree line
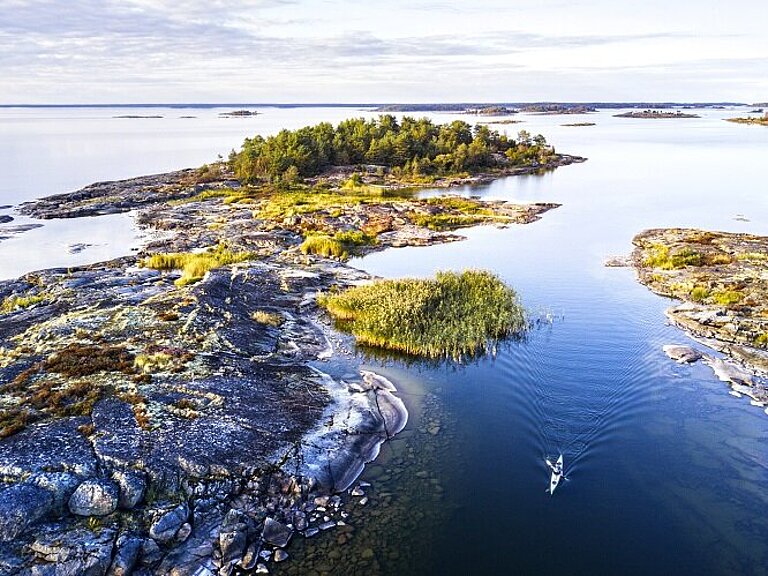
pixel 409 146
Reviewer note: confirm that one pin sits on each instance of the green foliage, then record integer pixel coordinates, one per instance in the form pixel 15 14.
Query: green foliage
pixel 660 256
pixel 762 340
pixel 338 245
pixel 727 297
pixel 454 212
pixel 324 245
pixel 453 316
pixel 286 204
pixel 699 293
pixel 195 265
pixel 415 147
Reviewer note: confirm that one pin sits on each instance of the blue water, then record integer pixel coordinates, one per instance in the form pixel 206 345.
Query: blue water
pixel 667 473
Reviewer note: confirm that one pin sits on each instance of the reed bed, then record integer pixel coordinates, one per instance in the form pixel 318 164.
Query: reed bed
pixel 455 315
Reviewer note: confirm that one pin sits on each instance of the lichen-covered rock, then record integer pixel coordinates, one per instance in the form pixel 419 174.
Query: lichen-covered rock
pixel 75 553
pixel 94 498
pixel 61 485
pixel 167 524
pixel 22 506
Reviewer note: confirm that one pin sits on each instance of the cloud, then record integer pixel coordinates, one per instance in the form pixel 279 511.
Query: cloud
pixel 266 47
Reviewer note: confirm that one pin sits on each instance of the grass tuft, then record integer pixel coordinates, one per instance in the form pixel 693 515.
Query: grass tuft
pixel 195 266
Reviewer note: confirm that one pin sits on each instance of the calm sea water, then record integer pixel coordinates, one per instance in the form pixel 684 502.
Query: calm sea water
pixel 667 473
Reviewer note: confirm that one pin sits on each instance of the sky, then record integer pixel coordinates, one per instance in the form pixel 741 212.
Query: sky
pixel 305 51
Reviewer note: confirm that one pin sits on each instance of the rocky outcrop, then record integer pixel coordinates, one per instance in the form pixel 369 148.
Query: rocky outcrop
pixel 150 428
pixel 722 279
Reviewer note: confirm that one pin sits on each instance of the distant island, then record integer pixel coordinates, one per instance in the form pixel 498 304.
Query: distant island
pixel 580 124
pixel 135 116
pixel 238 114
pixel 491 111
pixel 545 106
pixel 654 114
pixel 553 109
pixel 758 120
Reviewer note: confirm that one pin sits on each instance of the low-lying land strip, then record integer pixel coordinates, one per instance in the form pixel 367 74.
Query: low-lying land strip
pixel 756 120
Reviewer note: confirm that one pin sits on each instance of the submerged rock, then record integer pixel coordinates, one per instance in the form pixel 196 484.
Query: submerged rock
pixel 728 372
pixel 682 354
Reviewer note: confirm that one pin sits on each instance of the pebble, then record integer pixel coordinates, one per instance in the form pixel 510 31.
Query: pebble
pixel 261 569
pixel 327 525
pixel 358 491
pixel 280 555
pixel 309 532
pixel 364 501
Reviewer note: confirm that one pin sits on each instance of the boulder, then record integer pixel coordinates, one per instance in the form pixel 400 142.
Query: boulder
pixel 682 354
pixel 22 506
pixel 132 486
pixel 95 497
pixel 165 527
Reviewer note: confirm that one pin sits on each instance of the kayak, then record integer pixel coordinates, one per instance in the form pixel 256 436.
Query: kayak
pixel 556 477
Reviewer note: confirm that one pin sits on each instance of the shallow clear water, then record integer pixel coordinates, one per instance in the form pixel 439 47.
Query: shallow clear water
pixel 667 473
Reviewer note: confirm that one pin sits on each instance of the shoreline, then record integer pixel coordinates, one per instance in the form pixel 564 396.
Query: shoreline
pixel 176 360
pixel 717 278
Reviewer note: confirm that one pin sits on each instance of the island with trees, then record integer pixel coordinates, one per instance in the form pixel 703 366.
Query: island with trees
pixel 656 114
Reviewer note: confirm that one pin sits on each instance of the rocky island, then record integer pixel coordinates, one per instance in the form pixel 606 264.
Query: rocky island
pixel 722 279
pixel 190 409
pixel 655 114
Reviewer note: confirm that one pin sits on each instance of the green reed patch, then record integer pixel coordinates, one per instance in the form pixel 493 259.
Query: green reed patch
pixel 456 315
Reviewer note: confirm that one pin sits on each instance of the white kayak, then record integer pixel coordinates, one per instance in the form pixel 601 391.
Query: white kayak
pixel 556 476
